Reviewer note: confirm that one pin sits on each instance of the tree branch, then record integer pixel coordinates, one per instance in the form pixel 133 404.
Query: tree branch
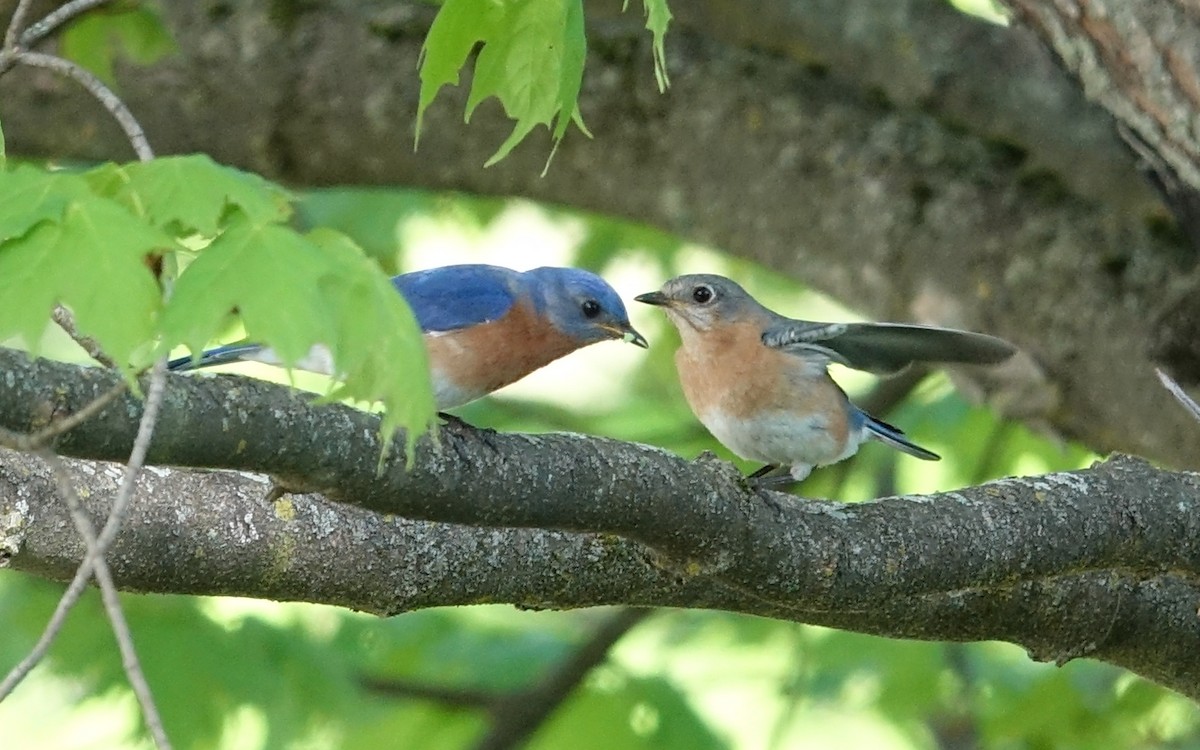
pixel 980 190
pixel 519 714
pixel 1103 562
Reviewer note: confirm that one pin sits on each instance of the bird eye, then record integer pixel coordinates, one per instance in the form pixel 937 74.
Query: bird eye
pixel 591 308
pixel 702 294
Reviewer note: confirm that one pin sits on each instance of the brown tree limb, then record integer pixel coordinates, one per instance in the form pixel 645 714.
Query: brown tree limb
pixel 1102 563
pixel 980 190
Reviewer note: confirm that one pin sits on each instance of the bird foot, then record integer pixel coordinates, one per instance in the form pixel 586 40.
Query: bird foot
pixel 279 488
pixel 466 429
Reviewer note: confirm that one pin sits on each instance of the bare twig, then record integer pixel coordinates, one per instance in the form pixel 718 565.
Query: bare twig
pixel 518 714
pixel 66 321
pixel 462 698
pixel 93 563
pixel 154 398
pixel 1177 391
pixel 110 101
pixel 15 24
pixel 38 31
pixel 112 602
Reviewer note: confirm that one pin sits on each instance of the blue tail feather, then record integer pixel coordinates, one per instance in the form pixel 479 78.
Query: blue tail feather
pixel 894 437
pixel 222 355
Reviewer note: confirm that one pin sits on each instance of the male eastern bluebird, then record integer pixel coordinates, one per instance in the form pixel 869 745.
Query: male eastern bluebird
pixel 759 381
pixel 485 326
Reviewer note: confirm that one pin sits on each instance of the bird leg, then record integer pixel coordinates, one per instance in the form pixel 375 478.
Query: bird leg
pixel 765 470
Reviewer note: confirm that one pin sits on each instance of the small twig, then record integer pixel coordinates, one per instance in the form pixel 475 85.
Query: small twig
pixel 518 715
pixel 106 97
pixel 447 697
pixel 1177 391
pixel 116 515
pixel 891 392
pixel 93 563
pixel 15 24
pixel 993 442
pixel 38 31
pixel 66 321
pixel 42 437
pixel 112 602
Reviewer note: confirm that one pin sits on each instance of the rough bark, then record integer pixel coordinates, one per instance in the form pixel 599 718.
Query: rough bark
pixel 1103 563
pixel 913 162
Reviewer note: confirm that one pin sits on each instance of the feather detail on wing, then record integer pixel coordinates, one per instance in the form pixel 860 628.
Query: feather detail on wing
pixel 885 348
pixel 457 297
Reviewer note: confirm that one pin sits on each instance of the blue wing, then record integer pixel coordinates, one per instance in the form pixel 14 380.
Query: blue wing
pixel 454 297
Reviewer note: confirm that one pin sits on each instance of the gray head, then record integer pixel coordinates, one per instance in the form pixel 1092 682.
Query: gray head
pixel 703 300
pixel 582 305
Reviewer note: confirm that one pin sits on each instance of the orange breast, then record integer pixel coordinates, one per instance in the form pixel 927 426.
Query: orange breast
pixel 729 372
pixel 491 355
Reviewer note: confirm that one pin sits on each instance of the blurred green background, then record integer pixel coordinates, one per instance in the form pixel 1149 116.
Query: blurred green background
pixel 249 674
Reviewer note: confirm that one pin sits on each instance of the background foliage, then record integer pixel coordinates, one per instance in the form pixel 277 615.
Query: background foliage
pixel 255 674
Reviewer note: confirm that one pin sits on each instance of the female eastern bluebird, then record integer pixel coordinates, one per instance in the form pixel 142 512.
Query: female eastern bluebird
pixel 759 381
pixel 485 326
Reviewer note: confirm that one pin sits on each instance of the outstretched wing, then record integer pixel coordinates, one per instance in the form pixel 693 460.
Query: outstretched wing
pixel 885 348
pixel 455 297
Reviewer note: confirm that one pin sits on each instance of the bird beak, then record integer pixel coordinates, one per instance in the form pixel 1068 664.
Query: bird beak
pixel 626 333
pixel 631 336
pixel 653 298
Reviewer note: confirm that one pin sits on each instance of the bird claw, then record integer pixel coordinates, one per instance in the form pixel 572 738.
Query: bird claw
pixel 278 489
pixel 464 428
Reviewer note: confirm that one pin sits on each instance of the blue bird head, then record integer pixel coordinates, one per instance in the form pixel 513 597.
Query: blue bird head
pixel 582 305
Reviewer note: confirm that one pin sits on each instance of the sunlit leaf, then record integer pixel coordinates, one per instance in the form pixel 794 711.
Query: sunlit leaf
pixel 294 292
pixel 136 32
pixel 29 195
pixel 457 28
pixel 93 261
pixel 658 17
pixel 531 61
pixel 376 341
pixel 190 193
pixel 269 274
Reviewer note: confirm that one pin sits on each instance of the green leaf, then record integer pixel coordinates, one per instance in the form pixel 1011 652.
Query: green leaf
pixel 376 341
pixel 29 195
pixel 3 156
pixel 92 260
pixel 456 29
pixel 136 32
pixel 294 292
pixel 268 273
pixel 532 61
pixel 186 194
pixel 658 17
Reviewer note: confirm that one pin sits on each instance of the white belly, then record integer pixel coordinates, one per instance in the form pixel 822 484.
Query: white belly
pixel 447 394
pixel 780 438
pixel 319 359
